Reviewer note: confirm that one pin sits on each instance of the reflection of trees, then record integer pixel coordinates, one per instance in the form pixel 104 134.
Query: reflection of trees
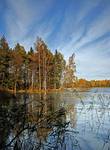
pixel 48 121
pixel 31 124
pixel 71 115
pixel 4 126
pixel 12 119
pixel 41 122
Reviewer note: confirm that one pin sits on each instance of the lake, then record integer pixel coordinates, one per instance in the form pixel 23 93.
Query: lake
pixel 70 120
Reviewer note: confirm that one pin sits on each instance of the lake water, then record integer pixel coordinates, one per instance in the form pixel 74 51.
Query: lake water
pixel 70 120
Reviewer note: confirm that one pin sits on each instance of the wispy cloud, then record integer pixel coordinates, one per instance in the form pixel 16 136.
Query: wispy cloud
pixel 94 60
pixel 22 15
pixel 71 28
pixel 96 30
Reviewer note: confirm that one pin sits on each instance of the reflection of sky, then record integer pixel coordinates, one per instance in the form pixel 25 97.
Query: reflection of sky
pixel 71 26
pixel 92 119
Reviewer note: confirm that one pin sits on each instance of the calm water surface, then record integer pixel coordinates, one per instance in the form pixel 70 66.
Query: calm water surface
pixel 70 120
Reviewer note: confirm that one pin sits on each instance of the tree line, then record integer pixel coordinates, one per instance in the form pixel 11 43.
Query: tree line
pixel 93 83
pixel 38 68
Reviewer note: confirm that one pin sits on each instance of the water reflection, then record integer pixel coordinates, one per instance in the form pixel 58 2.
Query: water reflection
pixel 59 121
pixel 27 123
pixel 94 120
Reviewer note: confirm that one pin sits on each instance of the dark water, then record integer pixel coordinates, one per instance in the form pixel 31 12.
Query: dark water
pixel 59 121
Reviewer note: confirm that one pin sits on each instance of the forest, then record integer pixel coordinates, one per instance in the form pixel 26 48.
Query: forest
pixel 38 69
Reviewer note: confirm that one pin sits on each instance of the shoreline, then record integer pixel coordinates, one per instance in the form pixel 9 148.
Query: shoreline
pixel 36 91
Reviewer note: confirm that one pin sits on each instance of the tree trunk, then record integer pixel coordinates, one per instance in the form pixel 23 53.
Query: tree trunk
pixel 32 80
pixel 45 75
pixel 39 73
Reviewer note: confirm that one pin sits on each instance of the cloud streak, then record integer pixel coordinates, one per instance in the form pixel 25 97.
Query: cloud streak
pixel 21 16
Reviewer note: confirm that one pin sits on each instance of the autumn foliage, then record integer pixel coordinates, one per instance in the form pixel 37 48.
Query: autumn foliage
pixel 39 69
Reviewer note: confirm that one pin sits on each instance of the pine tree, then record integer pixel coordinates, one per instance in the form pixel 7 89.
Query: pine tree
pixel 4 62
pixel 59 65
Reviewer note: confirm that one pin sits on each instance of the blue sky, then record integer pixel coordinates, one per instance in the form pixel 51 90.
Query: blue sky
pixel 79 26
